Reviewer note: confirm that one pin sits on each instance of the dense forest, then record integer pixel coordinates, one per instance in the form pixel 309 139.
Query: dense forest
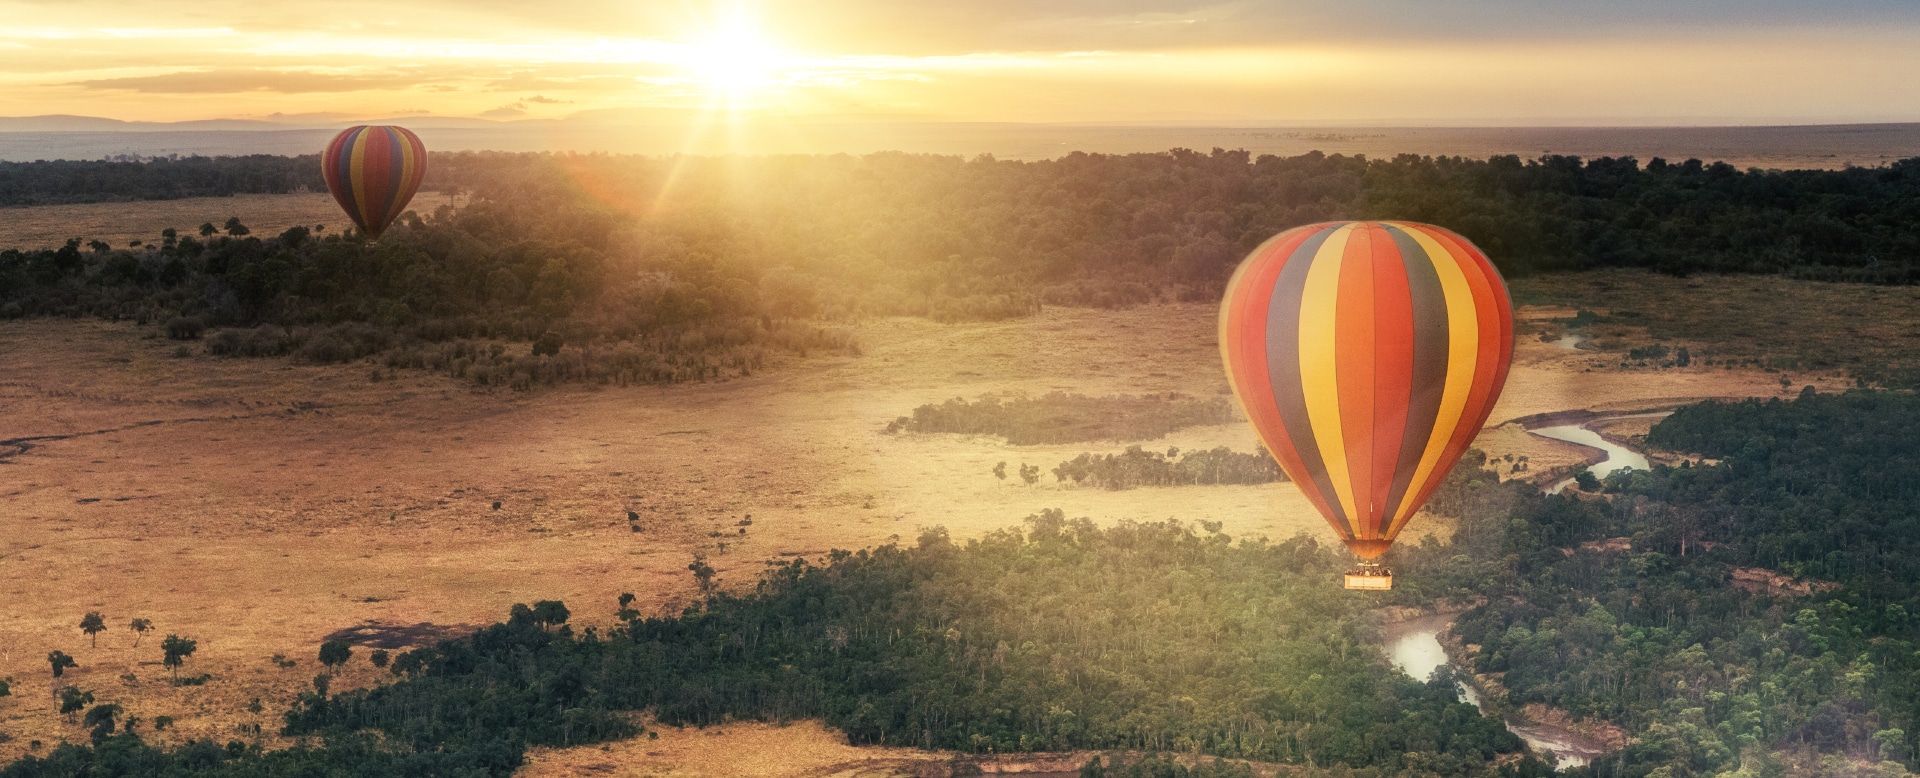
pixel 1753 615
pixel 1156 637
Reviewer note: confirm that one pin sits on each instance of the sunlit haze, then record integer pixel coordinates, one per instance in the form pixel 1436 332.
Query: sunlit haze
pixel 1513 62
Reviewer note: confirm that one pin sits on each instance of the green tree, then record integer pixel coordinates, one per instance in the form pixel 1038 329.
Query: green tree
pixel 379 657
pixel 140 629
pixel 550 613
pixel 93 624
pixel 60 662
pixel 176 650
pixel 207 230
pixel 235 228
pixel 1000 470
pixel 72 700
pixel 702 573
pixel 100 719
pixel 334 653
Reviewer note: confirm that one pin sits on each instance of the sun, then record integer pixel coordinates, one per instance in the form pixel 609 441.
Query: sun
pixel 733 57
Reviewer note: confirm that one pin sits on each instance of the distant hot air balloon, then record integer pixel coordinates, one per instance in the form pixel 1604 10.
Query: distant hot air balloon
pixel 1367 356
pixel 373 171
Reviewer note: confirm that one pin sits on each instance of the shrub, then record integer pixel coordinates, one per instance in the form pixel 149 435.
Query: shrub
pixel 185 328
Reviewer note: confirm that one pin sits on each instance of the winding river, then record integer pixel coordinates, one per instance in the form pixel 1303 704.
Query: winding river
pixel 1414 647
pixel 1618 457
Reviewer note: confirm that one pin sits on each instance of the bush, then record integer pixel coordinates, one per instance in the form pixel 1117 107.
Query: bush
pixel 185 328
pixel 1067 418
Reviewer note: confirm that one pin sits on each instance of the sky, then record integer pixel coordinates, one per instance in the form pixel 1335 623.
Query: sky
pixel 1259 62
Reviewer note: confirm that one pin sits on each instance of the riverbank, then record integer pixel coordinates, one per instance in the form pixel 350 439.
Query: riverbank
pixel 1420 644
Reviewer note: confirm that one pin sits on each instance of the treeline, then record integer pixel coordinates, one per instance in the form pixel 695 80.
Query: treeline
pixel 1687 626
pixel 497 301
pixel 597 250
pixel 1112 230
pixel 1150 637
pixel 1138 467
pixel 60 182
pixel 1058 417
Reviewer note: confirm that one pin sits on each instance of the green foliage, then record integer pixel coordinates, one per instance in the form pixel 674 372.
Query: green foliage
pixel 73 700
pixel 1760 603
pixel 723 278
pixel 60 662
pixel 159 178
pixel 1067 418
pixel 334 653
pixel 1012 643
pixel 175 650
pixel 93 624
pixel 1152 637
pixel 1138 467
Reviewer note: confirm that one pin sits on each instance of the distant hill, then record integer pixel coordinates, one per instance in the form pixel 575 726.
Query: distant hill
pixel 679 131
pixel 70 123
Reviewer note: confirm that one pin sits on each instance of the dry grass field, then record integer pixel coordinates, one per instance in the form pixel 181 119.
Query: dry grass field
pixel 1809 329
pixel 260 505
pixel 49 226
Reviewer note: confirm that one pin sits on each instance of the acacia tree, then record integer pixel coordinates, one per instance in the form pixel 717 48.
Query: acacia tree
pixel 702 572
pixel 550 613
pixel 177 650
pixel 72 700
pixel 140 629
pixel 60 662
pixel 334 653
pixel 93 624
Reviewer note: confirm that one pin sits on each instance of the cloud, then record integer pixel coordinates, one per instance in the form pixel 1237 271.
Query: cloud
pixel 545 100
pixel 506 111
pixel 225 81
pixel 892 27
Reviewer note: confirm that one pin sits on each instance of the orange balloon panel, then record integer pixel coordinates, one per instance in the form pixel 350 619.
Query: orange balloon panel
pixel 1367 355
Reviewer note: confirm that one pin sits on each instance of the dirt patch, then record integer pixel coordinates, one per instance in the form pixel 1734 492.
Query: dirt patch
pixel 1763 581
pixel 400 635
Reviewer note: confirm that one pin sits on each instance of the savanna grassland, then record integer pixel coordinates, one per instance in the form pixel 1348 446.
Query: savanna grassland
pixel 260 511
pixel 263 443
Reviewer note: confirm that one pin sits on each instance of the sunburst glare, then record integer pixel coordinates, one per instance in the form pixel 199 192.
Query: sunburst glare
pixel 733 57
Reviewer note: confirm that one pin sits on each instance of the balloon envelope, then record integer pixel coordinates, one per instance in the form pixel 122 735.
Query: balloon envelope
pixel 373 171
pixel 1367 355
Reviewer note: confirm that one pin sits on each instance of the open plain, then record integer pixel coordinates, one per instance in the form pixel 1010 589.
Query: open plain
pixel 261 505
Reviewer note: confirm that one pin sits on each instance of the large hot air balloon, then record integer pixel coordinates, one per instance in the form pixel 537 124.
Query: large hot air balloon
pixel 373 171
pixel 1367 355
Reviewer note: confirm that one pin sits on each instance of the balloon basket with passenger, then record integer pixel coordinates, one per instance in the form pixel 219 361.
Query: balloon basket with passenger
pixel 1370 576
